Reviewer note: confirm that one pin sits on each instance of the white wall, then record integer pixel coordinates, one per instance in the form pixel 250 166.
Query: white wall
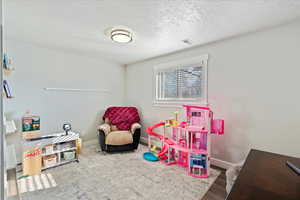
pixel 253 85
pixel 40 67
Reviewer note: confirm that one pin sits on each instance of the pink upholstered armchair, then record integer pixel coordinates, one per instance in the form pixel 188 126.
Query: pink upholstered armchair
pixel 121 130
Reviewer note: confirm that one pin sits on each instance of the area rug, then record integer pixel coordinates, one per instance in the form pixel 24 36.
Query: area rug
pixel 36 182
pixel 121 176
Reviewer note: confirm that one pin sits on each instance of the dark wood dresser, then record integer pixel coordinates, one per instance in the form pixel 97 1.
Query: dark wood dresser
pixel 266 176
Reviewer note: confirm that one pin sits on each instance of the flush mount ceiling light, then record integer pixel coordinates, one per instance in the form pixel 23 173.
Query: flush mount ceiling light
pixel 121 35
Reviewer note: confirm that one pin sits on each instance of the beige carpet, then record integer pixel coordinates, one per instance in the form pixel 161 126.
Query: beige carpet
pixel 121 176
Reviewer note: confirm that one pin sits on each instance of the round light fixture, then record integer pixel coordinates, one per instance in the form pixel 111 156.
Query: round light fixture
pixel 121 35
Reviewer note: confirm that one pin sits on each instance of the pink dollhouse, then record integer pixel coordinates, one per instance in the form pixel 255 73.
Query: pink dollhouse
pixel 189 144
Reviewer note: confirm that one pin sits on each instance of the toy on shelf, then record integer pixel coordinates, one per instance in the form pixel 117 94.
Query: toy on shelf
pixel 189 144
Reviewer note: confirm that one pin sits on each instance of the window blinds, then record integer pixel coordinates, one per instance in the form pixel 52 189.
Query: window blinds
pixel 179 83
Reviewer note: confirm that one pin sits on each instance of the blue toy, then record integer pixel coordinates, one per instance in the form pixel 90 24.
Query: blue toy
pixel 150 157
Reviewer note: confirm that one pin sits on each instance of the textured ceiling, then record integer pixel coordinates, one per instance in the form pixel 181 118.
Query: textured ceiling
pixel 159 25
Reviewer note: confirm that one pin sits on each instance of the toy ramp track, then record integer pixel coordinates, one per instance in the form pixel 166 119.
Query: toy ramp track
pixel 167 142
pixel 163 151
pixel 150 130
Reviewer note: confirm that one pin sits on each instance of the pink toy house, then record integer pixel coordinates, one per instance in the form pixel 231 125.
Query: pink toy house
pixel 189 146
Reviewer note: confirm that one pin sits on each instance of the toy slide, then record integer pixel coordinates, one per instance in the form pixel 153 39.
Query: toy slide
pixel 151 156
pixel 163 151
pixel 167 142
pixel 150 132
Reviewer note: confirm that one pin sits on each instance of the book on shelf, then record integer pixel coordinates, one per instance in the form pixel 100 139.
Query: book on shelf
pixel 7 61
pixel 7 89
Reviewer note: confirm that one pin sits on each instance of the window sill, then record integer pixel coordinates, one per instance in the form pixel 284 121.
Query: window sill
pixel 176 104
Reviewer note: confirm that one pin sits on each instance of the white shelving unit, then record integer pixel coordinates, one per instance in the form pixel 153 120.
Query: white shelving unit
pixel 59 151
pixel 11 165
pixel 6 73
pixel 58 147
pixel 11 160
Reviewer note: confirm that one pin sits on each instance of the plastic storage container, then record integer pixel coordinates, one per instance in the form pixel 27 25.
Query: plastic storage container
pixel 49 149
pixel 50 160
pixel 69 155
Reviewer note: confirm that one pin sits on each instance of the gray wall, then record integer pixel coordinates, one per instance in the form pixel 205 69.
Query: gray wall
pixel 253 85
pixel 40 67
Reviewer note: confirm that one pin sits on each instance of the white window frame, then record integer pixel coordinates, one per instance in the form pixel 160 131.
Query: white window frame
pixel 202 61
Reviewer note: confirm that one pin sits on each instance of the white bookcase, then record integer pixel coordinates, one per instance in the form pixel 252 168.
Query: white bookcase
pixel 61 143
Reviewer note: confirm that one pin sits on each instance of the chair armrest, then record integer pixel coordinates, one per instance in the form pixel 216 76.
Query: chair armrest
pixel 134 127
pixel 105 128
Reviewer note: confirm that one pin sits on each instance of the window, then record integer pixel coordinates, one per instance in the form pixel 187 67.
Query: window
pixel 184 81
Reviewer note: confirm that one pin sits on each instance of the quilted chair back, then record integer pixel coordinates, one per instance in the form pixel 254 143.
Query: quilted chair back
pixel 122 117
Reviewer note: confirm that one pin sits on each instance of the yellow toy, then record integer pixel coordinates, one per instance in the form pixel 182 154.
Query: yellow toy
pixel 153 148
pixel 175 122
pixel 172 122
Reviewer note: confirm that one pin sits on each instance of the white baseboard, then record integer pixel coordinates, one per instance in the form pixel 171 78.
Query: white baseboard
pixel 144 140
pixel 221 163
pixel 214 161
pixel 90 142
